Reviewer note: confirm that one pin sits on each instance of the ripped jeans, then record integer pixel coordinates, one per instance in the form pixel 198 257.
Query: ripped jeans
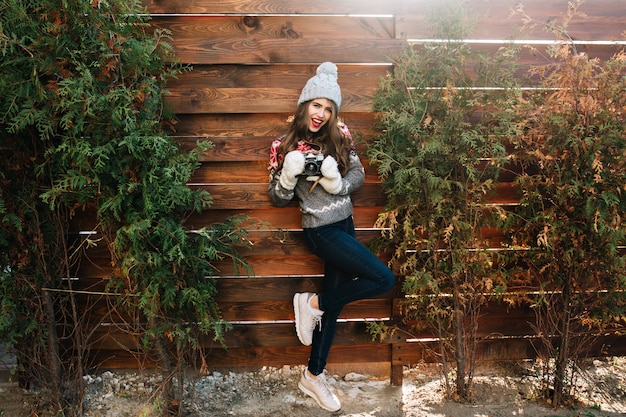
pixel 351 272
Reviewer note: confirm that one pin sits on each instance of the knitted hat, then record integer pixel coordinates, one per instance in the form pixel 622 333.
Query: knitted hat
pixel 322 85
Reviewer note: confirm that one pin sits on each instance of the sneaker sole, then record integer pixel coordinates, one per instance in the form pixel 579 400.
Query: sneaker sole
pixel 312 395
pixel 296 310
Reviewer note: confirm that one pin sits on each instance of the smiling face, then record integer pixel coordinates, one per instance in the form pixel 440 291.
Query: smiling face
pixel 319 112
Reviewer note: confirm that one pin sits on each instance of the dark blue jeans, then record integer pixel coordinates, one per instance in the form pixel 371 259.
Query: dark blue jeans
pixel 351 272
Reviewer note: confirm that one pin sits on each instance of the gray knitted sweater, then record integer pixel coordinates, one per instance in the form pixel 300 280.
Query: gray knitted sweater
pixel 319 208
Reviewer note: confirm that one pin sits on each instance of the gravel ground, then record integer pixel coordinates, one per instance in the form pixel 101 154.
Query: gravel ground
pixel 500 391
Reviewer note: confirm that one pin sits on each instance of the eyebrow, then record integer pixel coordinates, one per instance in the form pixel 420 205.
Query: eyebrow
pixel 330 108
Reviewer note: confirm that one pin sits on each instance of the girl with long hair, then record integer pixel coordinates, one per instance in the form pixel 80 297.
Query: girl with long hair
pixel 317 163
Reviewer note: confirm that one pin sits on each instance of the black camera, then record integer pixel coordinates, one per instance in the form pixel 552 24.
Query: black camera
pixel 313 163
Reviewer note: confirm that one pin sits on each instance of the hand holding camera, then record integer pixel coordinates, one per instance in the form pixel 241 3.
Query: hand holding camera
pixel 331 177
pixel 293 165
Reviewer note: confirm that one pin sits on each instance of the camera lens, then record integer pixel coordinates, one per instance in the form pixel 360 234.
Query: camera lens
pixel 311 168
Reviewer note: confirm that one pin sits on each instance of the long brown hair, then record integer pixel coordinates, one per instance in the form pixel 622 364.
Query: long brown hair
pixel 333 141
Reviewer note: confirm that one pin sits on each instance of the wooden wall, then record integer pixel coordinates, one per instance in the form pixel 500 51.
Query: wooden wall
pixel 250 60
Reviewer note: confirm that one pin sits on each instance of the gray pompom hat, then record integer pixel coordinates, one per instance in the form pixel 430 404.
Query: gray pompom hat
pixel 322 85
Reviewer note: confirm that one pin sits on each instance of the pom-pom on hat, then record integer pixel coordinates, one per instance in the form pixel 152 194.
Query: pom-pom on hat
pixel 322 85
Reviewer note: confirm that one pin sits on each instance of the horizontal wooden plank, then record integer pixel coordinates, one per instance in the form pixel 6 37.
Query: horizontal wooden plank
pixel 427 351
pixel 259 218
pixel 396 354
pixel 265 51
pixel 278 26
pixel 292 76
pixel 263 311
pixel 603 19
pixel 191 127
pixel 534 55
pixel 240 336
pixel 246 100
pixel 284 242
pixel 219 358
pixel 254 195
pixel 92 290
pixel 244 171
pixel 298 355
pixel 262 265
pixel 502 349
pixel 246 166
pixel 263 241
pixel 269 219
pixel 273 288
pixel 496 320
pixel 283 310
pixel 244 149
pixel 283 218
pixel 296 7
pixel 285 265
pixel 224 172
pixel 272 335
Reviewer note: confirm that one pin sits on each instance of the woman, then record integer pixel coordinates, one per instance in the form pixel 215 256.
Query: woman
pixel 317 140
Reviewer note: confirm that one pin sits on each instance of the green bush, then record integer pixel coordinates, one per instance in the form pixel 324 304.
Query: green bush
pixel 439 157
pixel 81 125
pixel 570 143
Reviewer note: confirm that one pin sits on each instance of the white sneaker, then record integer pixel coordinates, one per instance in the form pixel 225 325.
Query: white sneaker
pixel 319 389
pixel 307 317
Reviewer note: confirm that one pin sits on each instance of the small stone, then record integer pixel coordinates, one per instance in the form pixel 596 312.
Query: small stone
pixel 354 377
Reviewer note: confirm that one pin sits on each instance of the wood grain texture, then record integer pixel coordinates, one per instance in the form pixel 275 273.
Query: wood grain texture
pixel 191 127
pixel 278 27
pixel 268 51
pixel 250 61
pixel 602 19
pixel 273 6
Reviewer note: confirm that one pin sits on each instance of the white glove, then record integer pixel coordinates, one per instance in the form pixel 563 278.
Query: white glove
pixel 331 180
pixel 292 167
